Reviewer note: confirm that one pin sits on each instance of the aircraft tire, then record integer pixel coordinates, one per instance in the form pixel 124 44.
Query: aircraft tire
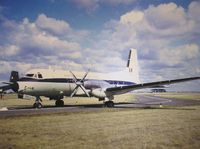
pixel 109 104
pixel 37 105
pixel 59 103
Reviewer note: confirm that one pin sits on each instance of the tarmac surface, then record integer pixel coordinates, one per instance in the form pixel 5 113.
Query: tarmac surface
pixel 143 101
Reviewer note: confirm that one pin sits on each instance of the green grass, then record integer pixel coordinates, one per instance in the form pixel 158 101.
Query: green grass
pixel 174 127
pixel 184 96
pixel 137 128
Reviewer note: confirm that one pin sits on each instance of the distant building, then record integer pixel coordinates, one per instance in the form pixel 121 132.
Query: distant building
pixel 158 90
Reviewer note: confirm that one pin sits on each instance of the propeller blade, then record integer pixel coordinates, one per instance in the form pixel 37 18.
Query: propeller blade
pixel 84 90
pixel 84 76
pixel 74 77
pixel 74 91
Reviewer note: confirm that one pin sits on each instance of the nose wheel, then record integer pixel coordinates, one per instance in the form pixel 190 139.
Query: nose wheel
pixel 37 103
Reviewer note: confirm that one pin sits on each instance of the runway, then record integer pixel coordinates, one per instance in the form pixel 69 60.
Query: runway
pixel 143 101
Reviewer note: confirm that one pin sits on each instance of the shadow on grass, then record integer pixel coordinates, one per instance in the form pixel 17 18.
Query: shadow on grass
pixel 170 108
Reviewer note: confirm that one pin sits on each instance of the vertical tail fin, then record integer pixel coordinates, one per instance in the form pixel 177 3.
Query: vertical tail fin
pixel 14 76
pixel 132 64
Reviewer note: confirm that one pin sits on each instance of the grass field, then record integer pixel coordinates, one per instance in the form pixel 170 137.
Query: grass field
pixel 163 128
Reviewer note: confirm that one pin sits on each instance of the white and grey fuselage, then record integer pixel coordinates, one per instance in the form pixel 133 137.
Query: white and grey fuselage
pixel 56 83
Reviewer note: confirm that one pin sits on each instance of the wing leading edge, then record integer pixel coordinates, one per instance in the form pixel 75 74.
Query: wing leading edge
pixel 125 89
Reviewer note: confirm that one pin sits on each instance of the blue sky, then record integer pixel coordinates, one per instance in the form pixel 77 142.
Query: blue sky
pixel 82 34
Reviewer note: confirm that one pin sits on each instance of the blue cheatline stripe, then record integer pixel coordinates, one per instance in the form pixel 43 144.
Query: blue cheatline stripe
pixel 70 80
pixel 119 82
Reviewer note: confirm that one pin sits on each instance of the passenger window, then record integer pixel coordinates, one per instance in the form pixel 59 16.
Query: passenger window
pixel 29 75
pixel 39 75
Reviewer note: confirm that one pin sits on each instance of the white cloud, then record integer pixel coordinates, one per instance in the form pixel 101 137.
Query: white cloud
pixel 179 55
pixel 193 14
pixel 158 21
pixel 52 43
pixel 9 50
pixel 8 66
pixel 194 10
pixel 166 16
pixel 162 34
pixel 27 35
pixel 34 44
pixel 132 17
pixel 52 24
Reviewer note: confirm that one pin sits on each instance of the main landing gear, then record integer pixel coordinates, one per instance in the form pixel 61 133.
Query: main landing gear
pixel 109 104
pixel 37 103
pixel 59 103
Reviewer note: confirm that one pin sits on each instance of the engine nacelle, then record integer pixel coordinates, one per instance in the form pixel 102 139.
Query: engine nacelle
pixel 99 93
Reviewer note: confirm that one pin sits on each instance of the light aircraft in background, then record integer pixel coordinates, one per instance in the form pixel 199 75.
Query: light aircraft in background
pixel 55 84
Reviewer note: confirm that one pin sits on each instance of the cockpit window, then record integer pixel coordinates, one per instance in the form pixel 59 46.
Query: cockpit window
pixel 29 75
pixel 39 75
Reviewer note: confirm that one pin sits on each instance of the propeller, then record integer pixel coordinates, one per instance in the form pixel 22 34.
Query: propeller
pixel 12 84
pixel 79 84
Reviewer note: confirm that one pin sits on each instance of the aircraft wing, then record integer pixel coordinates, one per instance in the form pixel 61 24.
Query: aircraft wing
pixel 125 89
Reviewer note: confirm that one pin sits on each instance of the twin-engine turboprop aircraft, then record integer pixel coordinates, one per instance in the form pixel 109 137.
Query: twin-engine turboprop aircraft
pixel 55 84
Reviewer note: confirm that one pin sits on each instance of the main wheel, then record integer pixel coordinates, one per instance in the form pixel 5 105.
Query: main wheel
pixel 109 104
pixel 59 103
pixel 37 105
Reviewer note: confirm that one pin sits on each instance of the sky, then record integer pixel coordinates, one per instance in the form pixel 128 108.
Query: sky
pixel 98 34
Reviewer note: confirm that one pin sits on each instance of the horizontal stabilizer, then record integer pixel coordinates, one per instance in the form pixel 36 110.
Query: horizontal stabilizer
pixel 5 87
pixel 10 83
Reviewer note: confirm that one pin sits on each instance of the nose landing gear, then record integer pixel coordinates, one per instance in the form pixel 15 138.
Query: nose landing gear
pixel 37 103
